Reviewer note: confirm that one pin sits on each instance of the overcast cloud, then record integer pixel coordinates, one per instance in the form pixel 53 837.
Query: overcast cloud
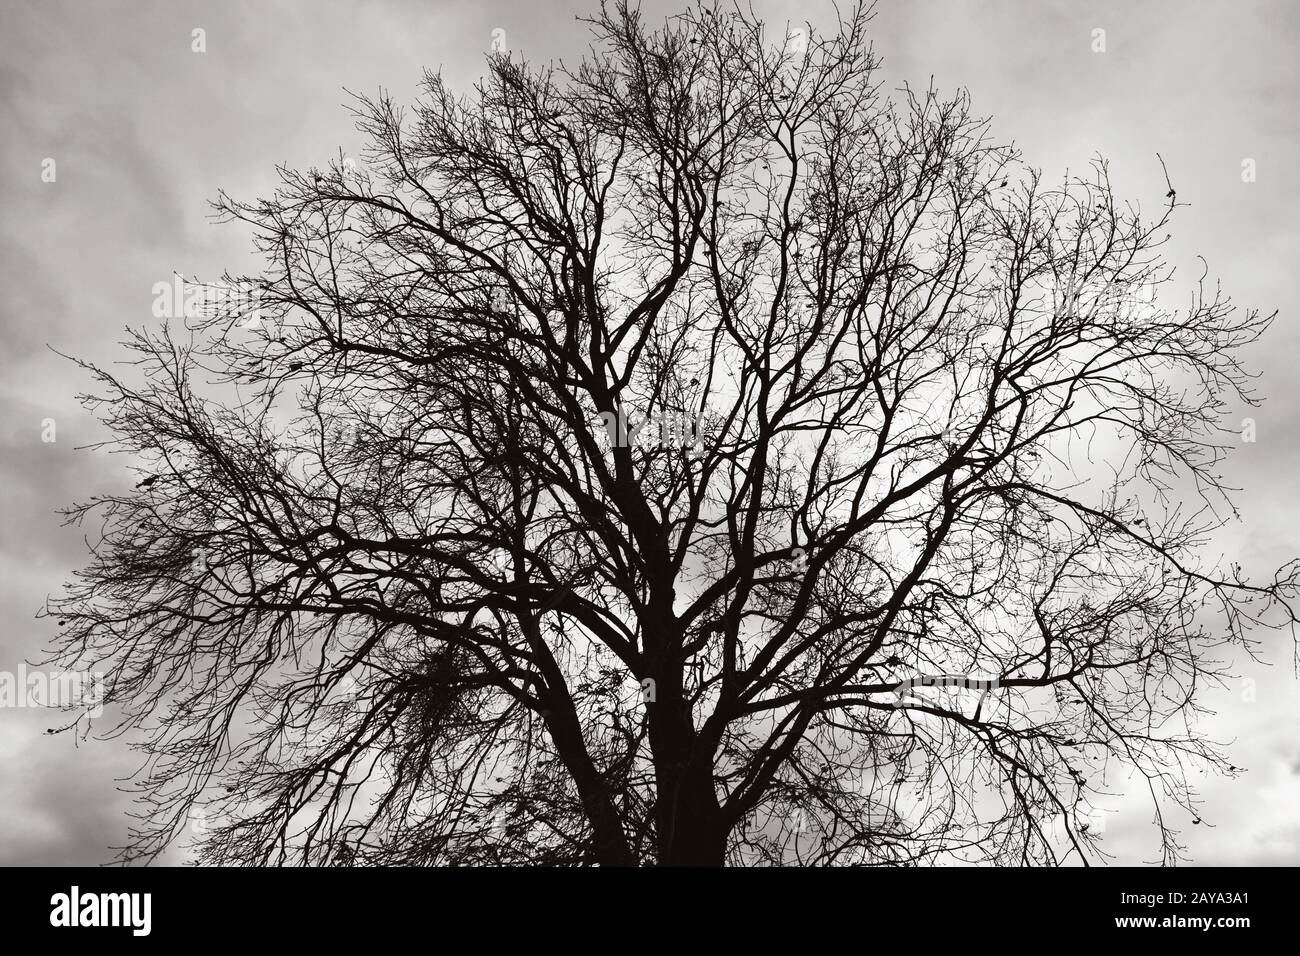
pixel 144 132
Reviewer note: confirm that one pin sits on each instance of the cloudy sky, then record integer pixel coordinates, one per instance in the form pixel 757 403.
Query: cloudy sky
pixel 143 131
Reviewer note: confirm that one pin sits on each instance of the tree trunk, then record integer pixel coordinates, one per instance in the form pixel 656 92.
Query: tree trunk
pixel 687 814
pixel 690 822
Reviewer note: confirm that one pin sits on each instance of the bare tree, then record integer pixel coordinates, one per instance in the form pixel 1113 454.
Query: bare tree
pixel 624 462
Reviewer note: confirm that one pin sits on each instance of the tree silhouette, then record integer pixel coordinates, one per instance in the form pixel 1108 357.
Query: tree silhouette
pixel 696 456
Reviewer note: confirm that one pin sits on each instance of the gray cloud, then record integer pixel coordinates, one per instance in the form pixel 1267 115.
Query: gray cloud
pixel 144 132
